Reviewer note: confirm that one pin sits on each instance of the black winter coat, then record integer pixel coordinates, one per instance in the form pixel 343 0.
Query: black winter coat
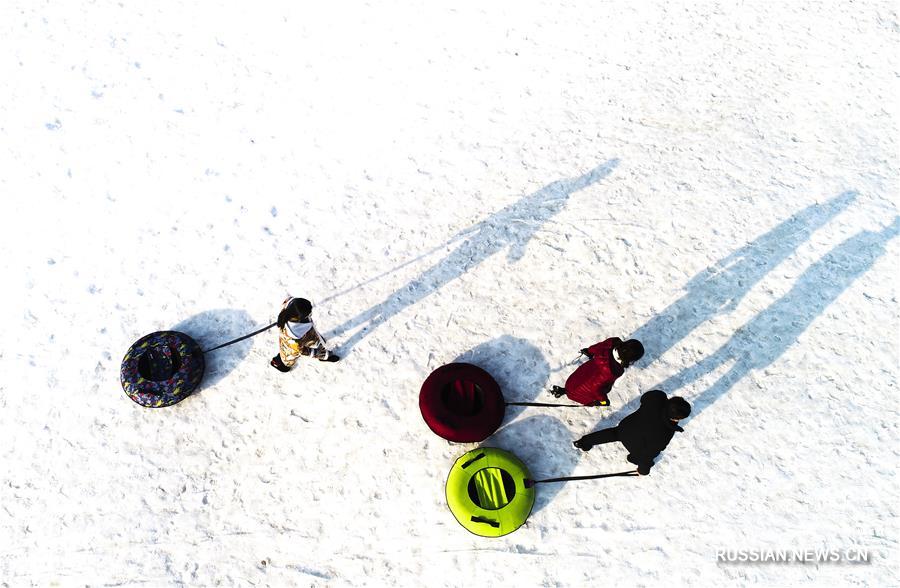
pixel 647 431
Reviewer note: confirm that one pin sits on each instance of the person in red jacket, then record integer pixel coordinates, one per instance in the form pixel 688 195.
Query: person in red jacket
pixel 591 382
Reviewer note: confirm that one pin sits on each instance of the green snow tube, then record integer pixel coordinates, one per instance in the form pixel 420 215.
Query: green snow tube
pixel 486 492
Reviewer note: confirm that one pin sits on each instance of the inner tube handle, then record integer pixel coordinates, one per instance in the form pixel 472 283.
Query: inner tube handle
pixel 490 522
pixel 473 460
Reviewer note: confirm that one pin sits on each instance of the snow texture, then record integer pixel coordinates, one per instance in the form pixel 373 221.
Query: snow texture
pixel 501 183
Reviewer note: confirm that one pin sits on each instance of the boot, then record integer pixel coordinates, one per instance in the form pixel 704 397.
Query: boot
pixel 330 358
pixel 580 445
pixel 558 391
pixel 278 364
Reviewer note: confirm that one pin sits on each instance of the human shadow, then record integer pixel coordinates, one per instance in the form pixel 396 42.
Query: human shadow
pixel 214 327
pixel 518 366
pixel 719 288
pixel 763 339
pixel 513 227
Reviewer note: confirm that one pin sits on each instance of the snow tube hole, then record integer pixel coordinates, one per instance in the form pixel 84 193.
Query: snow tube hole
pixel 492 488
pixel 158 363
pixel 463 397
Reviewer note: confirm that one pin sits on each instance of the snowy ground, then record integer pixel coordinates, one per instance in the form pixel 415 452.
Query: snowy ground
pixel 499 182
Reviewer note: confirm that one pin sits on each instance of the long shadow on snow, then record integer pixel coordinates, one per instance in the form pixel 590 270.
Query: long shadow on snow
pixel 518 366
pixel 512 227
pixel 721 286
pixel 762 340
pixel 540 441
pixel 214 327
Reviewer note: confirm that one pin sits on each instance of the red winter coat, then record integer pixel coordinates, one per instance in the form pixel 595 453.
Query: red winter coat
pixel 592 381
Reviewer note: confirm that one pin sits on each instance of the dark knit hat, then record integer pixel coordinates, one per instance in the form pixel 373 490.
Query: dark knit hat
pixel 296 311
pixel 300 308
pixel 678 408
pixel 630 351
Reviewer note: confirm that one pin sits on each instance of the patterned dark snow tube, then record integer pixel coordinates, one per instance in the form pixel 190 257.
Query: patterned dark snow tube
pixel 461 402
pixel 162 368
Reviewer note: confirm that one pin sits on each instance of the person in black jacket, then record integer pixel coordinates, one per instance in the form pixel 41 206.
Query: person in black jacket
pixel 646 431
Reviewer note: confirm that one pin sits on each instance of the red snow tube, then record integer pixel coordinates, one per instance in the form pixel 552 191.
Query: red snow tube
pixel 461 402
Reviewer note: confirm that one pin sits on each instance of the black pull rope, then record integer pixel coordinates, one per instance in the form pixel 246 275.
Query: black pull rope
pixel 241 338
pixel 628 474
pixel 543 404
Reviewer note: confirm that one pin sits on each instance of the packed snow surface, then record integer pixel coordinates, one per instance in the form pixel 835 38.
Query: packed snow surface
pixel 501 183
